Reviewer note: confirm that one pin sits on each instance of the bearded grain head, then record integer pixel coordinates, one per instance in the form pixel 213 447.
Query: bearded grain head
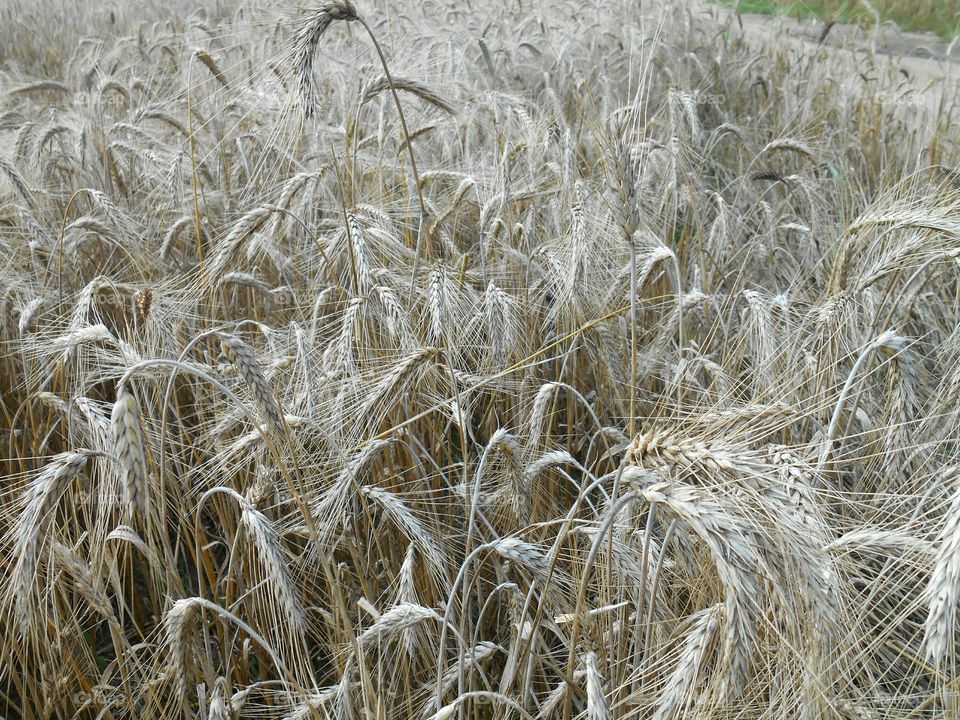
pixel 129 442
pixel 305 47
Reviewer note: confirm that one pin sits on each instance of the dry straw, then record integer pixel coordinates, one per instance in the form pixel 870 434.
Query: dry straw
pixel 625 334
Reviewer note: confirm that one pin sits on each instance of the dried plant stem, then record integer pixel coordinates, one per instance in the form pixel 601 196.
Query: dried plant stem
pixel 194 179
pixel 448 711
pixel 632 420
pixel 422 234
pixel 654 586
pixel 881 340
pixel 579 610
pixel 182 366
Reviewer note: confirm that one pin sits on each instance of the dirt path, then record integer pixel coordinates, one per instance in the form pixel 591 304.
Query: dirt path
pixel 916 70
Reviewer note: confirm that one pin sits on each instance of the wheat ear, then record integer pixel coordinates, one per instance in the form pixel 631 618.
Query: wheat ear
pixel 129 441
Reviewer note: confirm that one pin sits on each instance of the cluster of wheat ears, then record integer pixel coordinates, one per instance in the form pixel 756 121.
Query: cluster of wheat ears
pixel 428 360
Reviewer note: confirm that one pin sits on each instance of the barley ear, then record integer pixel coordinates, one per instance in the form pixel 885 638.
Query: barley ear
pixel 129 441
pixel 305 47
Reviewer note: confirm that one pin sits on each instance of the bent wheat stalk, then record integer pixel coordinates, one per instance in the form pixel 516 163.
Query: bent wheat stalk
pixel 305 45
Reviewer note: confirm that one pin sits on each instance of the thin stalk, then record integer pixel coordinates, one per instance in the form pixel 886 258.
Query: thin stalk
pixel 582 596
pixel 193 178
pixel 406 137
pixel 654 585
pixel 878 342
pixel 632 420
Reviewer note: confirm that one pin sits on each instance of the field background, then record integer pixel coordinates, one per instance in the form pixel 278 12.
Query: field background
pixel 461 360
pixel 939 16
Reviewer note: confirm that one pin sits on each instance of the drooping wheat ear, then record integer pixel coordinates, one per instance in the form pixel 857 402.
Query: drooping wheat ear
pixel 683 104
pixel 680 690
pixel 290 189
pixel 30 530
pixel 943 589
pixel 243 359
pixel 80 230
pixel 163 117
pixel 396 619
pixel 305 47
pixel 395 315
pixel 39 86
pixel 516 491
pixel 280 296
pixel 279 580
pixel 122 223
pixel 598 708
pixel 179 629
pixel 657 254
pixel 228 249
pixel 330 506
pixel 129 441
pixel 900 411
pixel 538 412
pixel 394 508
pixel 500 313
pixel 172 234
pixel 244 279
pixel 407 593
pixel 86 301
pixel 719 237
pixel 55 402
pixel 579 255
pixel 114 85
pixel 16 179
pixel 886 340
pixel 23 147
pixel 378 85
pixel 790 145
pixel 339 353
pixel 735 557
pixel 39 239
pixel 394 387
pixel 85 582
pixel 211 65
pixel 179 632
pixel 219 708
pixel 477 654
pixel 548 460
pixel 663 448
pixel 552 705
pixel 126 534
pixel 319 703
pixel 758 324
pixel 523 554
pixel 50 134
pixel 27 314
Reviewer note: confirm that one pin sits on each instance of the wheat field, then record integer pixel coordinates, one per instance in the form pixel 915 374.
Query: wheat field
pixel 447 360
